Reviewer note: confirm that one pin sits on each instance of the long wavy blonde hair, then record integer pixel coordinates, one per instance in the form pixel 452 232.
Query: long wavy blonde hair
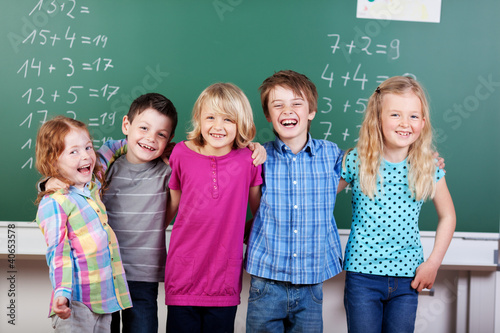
pixel 420 161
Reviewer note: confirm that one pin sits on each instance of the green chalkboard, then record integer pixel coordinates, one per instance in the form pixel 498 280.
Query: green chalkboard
pixel 91 59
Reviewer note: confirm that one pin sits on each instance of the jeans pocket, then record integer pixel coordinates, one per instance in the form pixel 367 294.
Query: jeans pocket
pixel 258 288
pixel 316 291
pixel 55 319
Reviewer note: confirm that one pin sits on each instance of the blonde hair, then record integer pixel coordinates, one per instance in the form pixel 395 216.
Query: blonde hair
pixel 421 165
pixel 50 145
pixel 230 101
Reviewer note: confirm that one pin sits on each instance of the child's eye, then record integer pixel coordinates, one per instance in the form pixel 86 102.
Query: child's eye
pixel 229 120
pixel 144 128
pixel 415 117
pixel 88 148
pixel 162 135
pixel 297 104
pixel 73 152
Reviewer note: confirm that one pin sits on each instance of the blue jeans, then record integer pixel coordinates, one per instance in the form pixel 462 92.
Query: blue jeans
pixel 375 303
pixel 143 316
pixel 275 306
pixel 202 319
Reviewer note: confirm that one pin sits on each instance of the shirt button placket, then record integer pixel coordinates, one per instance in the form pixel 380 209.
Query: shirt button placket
pixel 213 176
pixel 295 215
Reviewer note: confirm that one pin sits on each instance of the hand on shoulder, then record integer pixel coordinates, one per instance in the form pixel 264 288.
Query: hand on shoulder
pixel 259 154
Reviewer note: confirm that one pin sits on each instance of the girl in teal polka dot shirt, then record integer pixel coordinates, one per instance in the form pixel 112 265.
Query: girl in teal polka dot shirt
pixel 391 172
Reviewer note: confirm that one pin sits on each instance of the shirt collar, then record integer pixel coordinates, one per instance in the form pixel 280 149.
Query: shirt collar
pixel 85 191
pixel 281 147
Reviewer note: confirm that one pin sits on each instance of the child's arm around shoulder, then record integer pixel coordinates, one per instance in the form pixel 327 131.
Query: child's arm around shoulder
pixel 167 152
pixel 259 154
pixel 426 272
pixel 107 154
pixel 53 184
pixel 110 151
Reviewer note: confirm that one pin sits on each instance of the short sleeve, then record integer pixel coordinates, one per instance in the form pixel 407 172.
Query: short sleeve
pixel 439 174
pixel 349 168
pixel 256 175
pixel 338 163
pixel 174 161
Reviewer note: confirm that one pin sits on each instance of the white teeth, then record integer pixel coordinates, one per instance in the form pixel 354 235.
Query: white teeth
pixel 403 133
pixel 289 122
pixel 218 136
pixel 145 146
pixel 84 168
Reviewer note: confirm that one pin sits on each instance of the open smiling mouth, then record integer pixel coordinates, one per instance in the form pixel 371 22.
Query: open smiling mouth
pixel 146 147
pixel 217 136
pixel 289 122
pixel 84 169
pixel 403 133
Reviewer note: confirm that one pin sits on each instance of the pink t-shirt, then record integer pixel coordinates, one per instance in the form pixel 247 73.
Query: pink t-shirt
pixel 205 256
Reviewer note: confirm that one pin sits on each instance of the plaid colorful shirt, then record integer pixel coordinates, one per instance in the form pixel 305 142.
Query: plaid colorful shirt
pixel 82 250
pixel 294 235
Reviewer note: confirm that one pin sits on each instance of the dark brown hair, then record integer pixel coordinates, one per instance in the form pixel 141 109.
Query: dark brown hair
pixel 154 101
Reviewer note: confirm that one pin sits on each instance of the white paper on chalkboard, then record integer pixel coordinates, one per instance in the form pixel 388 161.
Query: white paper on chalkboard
pixel 400 10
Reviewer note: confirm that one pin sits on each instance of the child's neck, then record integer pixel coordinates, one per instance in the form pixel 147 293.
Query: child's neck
pixel 395 155
pixel 296 144
pixel 133 160
pixel 209 150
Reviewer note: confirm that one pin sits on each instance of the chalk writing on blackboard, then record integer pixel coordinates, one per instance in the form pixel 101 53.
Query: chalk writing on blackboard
pixel 50 7
pixel 54 83
pixel 355 76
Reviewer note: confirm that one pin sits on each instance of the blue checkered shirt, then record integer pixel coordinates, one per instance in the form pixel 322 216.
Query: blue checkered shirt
pixel 294 237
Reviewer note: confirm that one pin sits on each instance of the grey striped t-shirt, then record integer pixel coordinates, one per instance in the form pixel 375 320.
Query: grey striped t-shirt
pixel 136 201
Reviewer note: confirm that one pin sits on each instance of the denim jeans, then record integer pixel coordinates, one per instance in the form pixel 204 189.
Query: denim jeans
pixel 143 316
pixel 275 306
pixel 202 319
pixel 376 303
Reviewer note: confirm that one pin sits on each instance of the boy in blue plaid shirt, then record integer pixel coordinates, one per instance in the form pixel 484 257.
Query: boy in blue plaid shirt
pixel 294 244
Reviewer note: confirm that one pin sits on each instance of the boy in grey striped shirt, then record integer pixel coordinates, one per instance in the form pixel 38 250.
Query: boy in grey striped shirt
pixel 136 200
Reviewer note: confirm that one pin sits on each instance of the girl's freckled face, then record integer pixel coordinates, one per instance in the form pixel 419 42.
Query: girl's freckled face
pixel 77 161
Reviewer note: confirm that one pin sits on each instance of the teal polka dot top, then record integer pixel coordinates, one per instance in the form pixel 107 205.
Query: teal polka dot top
pixel 384 238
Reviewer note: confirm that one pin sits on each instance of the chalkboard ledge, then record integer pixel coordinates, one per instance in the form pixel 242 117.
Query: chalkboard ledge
pixel 468 250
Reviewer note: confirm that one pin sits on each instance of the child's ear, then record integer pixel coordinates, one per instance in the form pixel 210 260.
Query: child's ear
pixel 125 125
pixel 171 138
pixel 311 115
